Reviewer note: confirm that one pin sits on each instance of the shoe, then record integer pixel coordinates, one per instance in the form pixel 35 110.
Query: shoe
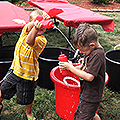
pixel 1 108
pixel 30 118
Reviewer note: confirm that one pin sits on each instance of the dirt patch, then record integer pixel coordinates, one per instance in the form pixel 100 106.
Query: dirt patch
pixel 87 4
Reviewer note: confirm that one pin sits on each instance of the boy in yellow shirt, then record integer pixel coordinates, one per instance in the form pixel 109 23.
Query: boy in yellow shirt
pixel 23 73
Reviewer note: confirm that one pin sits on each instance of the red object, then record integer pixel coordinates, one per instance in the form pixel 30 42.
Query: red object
pixel 39 18
pixel 67 96
pixel 9 12
pixel 54 11
pixel 46 23
pixel 63 58
pixel 73 15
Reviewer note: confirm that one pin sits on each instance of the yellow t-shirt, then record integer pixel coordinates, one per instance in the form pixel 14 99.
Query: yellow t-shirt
pixel 25 63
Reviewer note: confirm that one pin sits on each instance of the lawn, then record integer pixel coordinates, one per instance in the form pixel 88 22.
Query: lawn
pixel 44 102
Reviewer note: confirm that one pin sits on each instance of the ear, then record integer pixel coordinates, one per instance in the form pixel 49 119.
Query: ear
pixel 92 44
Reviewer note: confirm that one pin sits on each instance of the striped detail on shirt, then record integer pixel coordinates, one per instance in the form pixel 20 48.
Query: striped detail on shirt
pixel 25 63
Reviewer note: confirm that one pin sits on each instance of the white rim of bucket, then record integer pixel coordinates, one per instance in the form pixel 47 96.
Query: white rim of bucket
pixel 2 62
pixel 106 78
pixel 116 46
pixel 110 59
pixel 71 78
pixel 60 48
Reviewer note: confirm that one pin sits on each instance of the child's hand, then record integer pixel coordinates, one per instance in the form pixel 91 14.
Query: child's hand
pixel 65 65
pixel 39 28
pixel 61 65
pixel 70 62
pixel 38 25
pixel 45 15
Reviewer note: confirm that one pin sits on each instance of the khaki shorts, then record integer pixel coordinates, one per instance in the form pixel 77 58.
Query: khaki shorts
pixel 86 110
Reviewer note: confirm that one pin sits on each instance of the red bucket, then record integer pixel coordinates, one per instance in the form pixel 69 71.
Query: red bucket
pixel 67 93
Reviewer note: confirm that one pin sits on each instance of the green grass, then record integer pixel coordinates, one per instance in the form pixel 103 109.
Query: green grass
pixel 44 102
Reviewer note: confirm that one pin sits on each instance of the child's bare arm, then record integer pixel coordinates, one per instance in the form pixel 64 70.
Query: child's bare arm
pixel 35 27
pixel 30 26
pixel 78 67
pixel 84 75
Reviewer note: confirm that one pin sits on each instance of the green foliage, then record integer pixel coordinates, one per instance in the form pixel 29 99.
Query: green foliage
pixel 100 1
pixel 110 105
pixel 74 2
pixel 43 107
pixel 14 1
pixel 117 1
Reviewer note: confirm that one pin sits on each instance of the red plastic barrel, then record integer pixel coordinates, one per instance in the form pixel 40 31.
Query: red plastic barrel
pixel 66 93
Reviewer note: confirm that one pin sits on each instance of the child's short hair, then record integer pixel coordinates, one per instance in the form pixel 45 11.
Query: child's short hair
pixel 34 13
pixel 84 34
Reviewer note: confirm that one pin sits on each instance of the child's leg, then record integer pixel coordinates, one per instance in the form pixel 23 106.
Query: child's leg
pixel 96 117
pixel 86 111
pixel 0 97
pixel 7 87
pixel 1 106
pixel 28 111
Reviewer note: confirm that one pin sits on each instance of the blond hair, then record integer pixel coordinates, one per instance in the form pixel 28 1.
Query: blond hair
pixel 35 13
